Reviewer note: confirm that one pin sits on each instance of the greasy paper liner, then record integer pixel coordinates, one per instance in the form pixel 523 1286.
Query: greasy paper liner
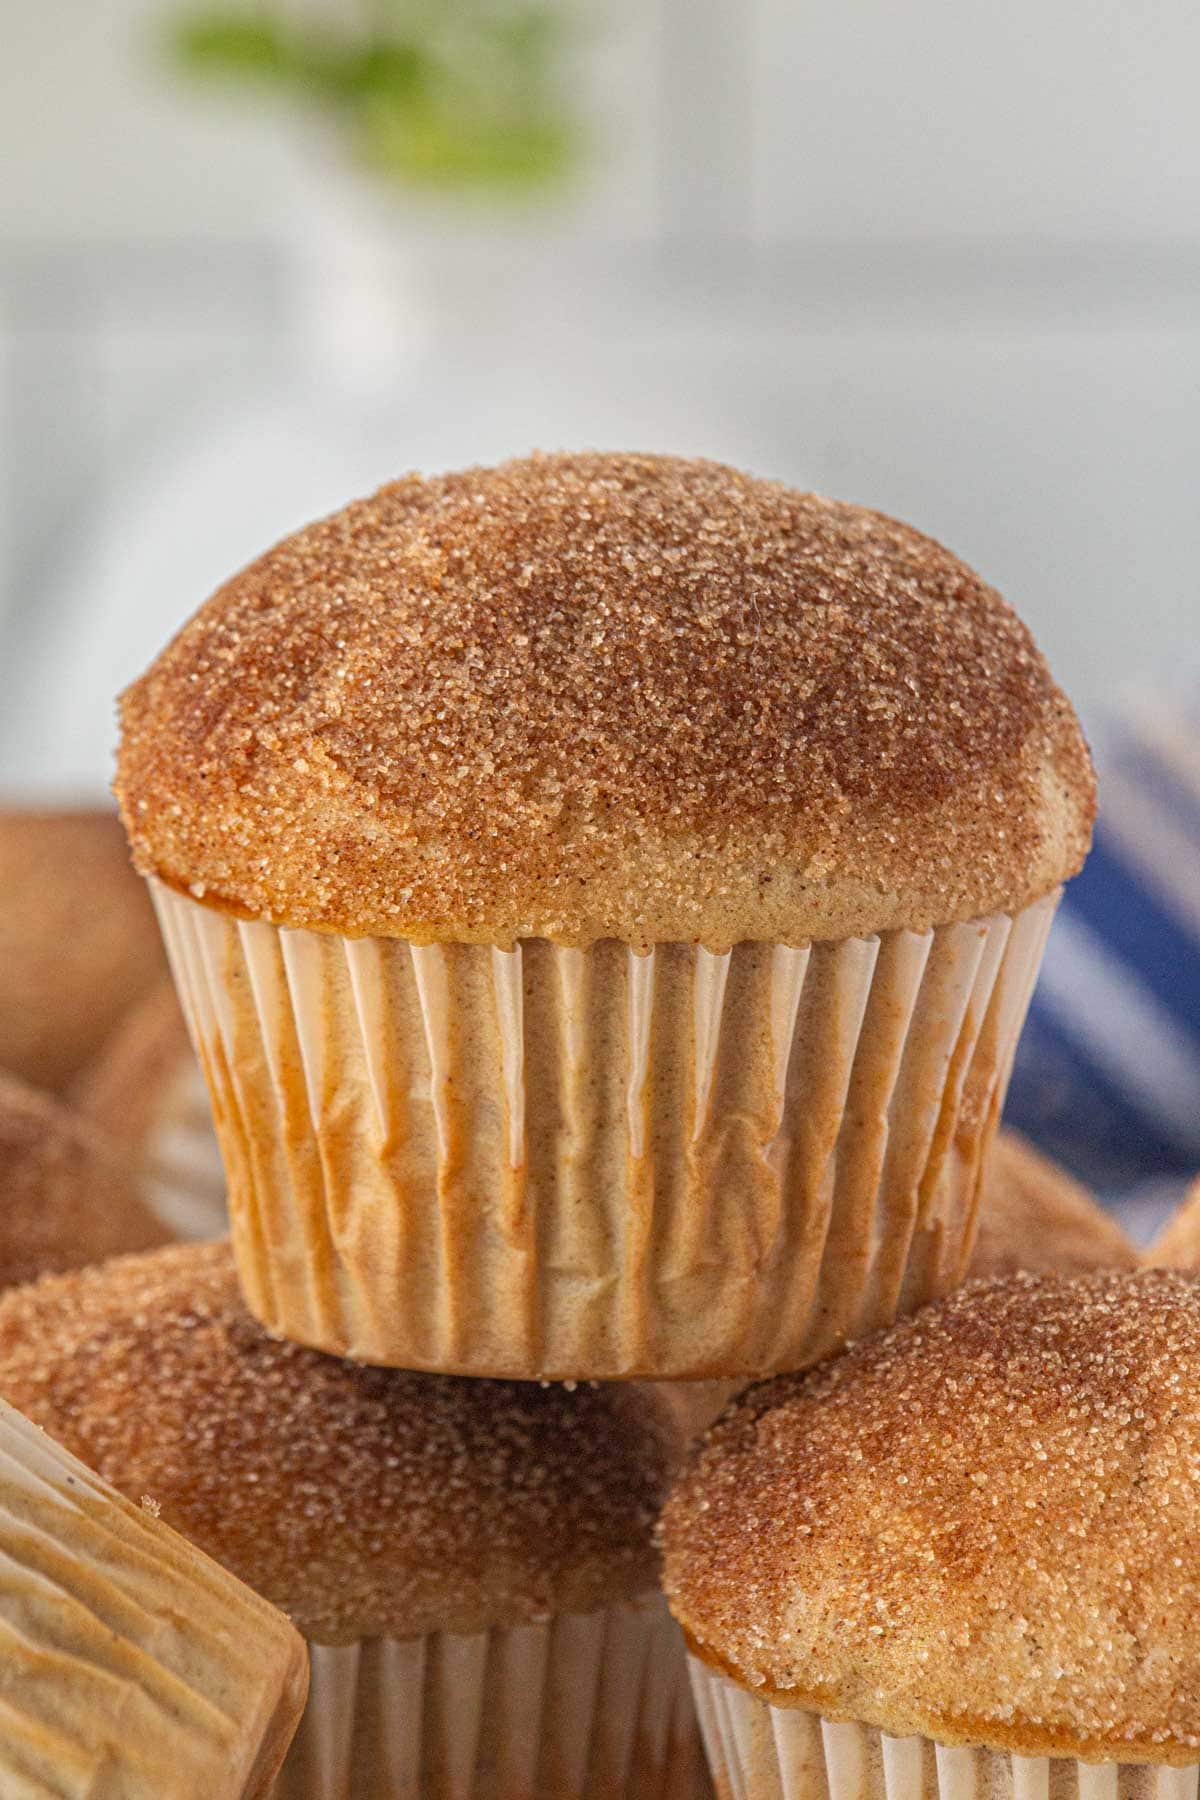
pixel 762 1752
pixel 593 1163
pixel 130 1663
pixel 592 1707
pixel 185 1181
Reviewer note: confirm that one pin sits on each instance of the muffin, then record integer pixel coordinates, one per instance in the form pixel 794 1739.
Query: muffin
pixel 1177 1245
pixel 144 1088
pixel 78 941
pixel 1034 1216
pixel 472 1562
pixel 130 1664
pixel 962 1559
pixel 67 1195
pixel 606 891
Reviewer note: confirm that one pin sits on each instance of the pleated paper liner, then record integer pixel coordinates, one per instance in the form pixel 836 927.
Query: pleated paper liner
pixel 762 1752
pixel 183 1166
pixel 592 1163
pixel 145 1089
pixel 130 1664
pixel 591 1707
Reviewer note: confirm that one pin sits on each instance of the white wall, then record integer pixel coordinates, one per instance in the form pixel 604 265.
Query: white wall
pixel 1044 119
pixel 844 120
pixel 944 258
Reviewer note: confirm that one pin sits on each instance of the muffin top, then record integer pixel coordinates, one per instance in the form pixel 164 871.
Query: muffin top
pixel 359 1500
pixel 586 696
pixel 1034 1216
pixel 68 1195
pixel 982 1526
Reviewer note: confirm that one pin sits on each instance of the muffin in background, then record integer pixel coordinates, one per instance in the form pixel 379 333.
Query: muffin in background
pixel 472 1562
pixel 68 1195
pixel 145 1090
pixel 1177 1245
pixel 606 891
pixel 1036 1217
pixel 132 1664
pixel 962 1558
pixel 78 944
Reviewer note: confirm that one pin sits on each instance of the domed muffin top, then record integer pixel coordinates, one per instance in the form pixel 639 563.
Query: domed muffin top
pixel 982 1526
pixel 362 1501
pixel 585 696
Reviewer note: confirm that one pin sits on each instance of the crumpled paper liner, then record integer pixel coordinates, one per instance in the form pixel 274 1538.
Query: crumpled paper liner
pixel 550 1162
pixel 592 1707
pixel 762 1752
pixel 130 1663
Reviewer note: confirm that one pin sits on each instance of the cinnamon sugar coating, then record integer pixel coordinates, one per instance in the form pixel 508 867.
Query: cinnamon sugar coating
pixel 1034 1216
pixel 586 696
pixel 982 1526
pixel 359 1500
pixel 69 1195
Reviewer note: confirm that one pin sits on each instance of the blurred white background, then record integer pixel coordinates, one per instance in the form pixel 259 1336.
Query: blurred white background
pixel 942 258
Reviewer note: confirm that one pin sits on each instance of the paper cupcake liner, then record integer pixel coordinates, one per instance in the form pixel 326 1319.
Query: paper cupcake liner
pixel 144 1088
pixel 591 1707
pixel 184 1177
pixel 130 1663
pixel 762 1752
pixel 592 1163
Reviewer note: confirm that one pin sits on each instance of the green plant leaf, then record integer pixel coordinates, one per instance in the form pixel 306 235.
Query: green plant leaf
pixel 429 147
pixel 230 44
pixel 457 94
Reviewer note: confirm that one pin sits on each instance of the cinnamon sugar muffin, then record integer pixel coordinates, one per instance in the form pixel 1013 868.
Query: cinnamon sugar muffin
pixel 1034 1216
pixel 472 1562
pixel 68 1196
pixel 130 1664
pixel 962 1558
pixel 606 890
pixel 78 943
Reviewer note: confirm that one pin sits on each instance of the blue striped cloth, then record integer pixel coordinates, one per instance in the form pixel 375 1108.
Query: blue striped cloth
pixel 1107 1076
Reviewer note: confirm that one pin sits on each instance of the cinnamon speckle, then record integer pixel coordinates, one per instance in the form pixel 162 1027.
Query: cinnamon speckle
pixel 982 1525
pixel 600 695
pixel 359 1500
pixel 68 1194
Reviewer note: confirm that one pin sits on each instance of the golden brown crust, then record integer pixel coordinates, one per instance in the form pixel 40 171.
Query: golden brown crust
pixel 982 1525
pixel 598 696
pixel 1177 1245
pixel 78 940
pixel 1033 1216
pixel 359 1500
pixel 67 1195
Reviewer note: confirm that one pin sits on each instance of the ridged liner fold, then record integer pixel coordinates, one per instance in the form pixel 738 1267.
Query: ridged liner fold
pixel 593 1163
pixel 131 1666
pixel 591 1707
pixel 762 1752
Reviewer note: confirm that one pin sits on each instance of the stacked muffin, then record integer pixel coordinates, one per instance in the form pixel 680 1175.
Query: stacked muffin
pixel 471 1562
pixel 605 892
pixel 961 1559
